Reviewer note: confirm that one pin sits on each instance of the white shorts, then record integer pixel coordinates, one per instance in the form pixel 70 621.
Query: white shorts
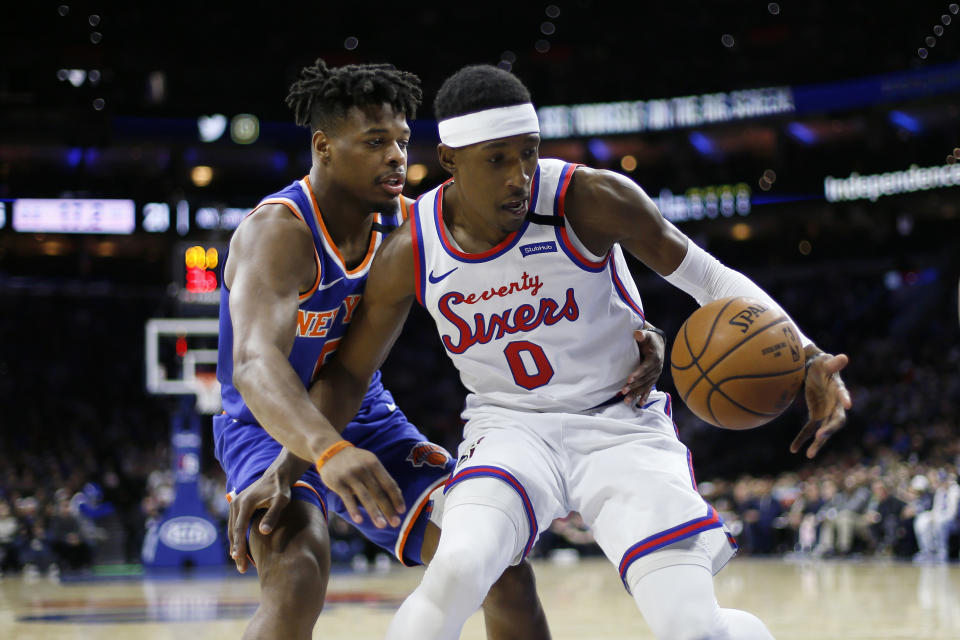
pixel 622 468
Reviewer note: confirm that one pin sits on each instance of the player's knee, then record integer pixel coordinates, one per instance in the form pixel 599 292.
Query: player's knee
pixel 460 571
pixel 687 621
pixel 295 582
pixel 293 564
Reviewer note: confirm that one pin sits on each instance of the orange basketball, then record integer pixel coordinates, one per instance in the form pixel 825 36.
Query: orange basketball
pixel 737 363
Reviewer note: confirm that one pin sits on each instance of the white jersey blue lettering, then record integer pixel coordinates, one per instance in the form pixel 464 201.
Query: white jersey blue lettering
pixel 536 322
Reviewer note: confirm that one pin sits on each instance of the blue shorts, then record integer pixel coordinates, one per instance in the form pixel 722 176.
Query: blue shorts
pixel 418 466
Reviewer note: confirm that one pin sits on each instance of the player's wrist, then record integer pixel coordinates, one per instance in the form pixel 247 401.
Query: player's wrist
pixel 330 452
pixel 812 356
pixel 653 329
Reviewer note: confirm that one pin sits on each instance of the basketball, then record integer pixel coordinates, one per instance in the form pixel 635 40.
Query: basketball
pixel 737 363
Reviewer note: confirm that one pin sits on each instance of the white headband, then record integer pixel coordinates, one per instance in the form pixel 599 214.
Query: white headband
pixel 490 124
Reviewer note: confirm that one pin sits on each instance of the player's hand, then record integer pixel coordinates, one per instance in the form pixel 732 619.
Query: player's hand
pixel 271 491
pixel 653 348
pixel 355 475
pixel 827 402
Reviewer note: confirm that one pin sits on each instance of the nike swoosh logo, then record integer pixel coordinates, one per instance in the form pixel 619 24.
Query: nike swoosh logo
pixel 329 284
pixel 391 407
pixel 435 279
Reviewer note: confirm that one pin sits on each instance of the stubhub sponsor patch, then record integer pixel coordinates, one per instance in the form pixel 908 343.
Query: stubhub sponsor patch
pixel 537 247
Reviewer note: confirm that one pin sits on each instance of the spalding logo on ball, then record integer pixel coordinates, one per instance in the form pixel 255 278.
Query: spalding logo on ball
pixel 737 363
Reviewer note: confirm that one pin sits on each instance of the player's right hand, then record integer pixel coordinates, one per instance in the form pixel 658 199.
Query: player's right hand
pixel 271 492
pixel 356 474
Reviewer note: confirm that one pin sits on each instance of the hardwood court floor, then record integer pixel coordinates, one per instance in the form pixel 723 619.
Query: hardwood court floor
pixel 814 601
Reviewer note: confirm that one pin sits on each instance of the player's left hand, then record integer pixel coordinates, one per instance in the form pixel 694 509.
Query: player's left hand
pixel 271 491
pixel 827 402
pixel 653 348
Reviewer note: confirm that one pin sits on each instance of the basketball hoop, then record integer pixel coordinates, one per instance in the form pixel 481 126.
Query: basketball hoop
pixel 207 389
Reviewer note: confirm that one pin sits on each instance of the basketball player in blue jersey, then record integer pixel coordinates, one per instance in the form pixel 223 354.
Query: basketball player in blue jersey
pixel 520 262
pixel 293 277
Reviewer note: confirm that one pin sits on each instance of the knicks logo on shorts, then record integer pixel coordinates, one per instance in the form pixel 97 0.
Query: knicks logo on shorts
pixel 428 453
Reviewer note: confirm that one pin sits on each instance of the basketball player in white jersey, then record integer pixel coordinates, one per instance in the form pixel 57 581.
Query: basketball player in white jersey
pixel 520 262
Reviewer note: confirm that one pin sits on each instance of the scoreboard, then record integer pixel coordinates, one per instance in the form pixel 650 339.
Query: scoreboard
pixel 198 270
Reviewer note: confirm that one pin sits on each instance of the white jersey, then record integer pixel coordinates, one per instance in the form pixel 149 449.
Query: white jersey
pixel 536 322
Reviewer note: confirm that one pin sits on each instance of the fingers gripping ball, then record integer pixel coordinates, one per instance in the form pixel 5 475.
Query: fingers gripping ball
pixel 737 363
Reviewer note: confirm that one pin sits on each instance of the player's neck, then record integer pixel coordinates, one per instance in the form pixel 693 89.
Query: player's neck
pixel 469 229
pixel 347 220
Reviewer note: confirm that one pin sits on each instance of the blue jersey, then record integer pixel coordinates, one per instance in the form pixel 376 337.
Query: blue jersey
pixel 324 311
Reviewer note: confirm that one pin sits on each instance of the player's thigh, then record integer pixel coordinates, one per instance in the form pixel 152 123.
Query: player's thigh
pixel 515 449
pixel 632 481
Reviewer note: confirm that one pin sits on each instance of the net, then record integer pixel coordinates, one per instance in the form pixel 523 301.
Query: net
pixel 208 393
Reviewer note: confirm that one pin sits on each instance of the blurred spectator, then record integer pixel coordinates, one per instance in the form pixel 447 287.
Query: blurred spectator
pixel 67 538
pixel 568 533
pixel 758 510
pixel 9 539
pixel 850 519
pixel 38 555
pixel 883 517
pixel 802 517
pixel 827 515
pixel 933 527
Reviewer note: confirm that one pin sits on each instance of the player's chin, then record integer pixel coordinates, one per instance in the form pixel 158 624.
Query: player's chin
pixel 385 205
pixel 511 224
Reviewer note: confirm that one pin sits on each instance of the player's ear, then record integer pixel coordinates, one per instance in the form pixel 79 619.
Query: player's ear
pixel 446 155
pixel 321 145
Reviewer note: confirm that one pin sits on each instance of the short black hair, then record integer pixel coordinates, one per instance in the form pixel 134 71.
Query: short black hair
pixel 323 95
pixel 478 87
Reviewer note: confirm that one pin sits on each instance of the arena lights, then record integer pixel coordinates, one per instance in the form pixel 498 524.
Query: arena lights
pixel 612 118
pixel 872 187
pixel 704 202
pixel 201 264
pixel 183 217
pixel 211 128
pixel 244 128
pixel 416 173
pixel 608 118
pixel 73 215
pixel 227 218
pixel 741 231
pixel 77 77
pixel 156 217
pixel 201 175
pixel 938 31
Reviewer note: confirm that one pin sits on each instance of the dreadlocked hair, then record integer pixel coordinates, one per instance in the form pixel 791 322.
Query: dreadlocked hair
pixel 323 95
pixel 477 88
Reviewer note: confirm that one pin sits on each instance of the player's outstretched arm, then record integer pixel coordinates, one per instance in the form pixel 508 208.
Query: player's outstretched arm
pixel 605 207
pixel 271 261
pixel 342 382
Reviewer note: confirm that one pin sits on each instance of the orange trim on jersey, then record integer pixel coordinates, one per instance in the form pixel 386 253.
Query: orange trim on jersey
pixel 412 521
pixel 330 243
pixel 323 505
pixel 316 256
pixel 405 208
